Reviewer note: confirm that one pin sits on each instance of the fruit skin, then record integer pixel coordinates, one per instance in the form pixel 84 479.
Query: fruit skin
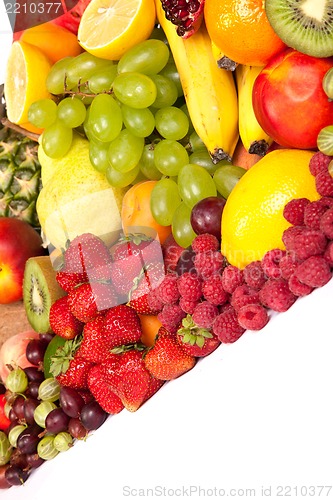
pixel 13 352
pixel 290 108
pixel 209 91
pixel 62 320
pixel 4 421
pixel 18 242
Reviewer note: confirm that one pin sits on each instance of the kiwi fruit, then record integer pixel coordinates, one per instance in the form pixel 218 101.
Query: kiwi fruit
pixel 40 291
pixel 304 26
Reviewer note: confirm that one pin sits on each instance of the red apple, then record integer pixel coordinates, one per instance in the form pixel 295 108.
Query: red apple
pixel 289 101
pixel 18 242
pixel 13 352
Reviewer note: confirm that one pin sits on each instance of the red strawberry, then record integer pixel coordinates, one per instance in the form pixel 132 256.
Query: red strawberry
pixel 94 346
pixel 167 359
pixel 122 326
pixel 85 252
pixel 195 340
pixel 68 367
pixel 62 320
pixel 102 392
pixel 154 386
pixel 68 281
pixel 90 300
pixel 171 253
pixel 4 420
pixel 148 280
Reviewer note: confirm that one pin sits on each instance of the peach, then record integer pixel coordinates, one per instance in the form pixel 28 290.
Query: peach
pixel 289 101
pixel 12 352
pixel 150 324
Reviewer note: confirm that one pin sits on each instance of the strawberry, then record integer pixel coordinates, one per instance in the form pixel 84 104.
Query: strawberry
pixel 90 300
pixel 68 367
pixel 154 386
pixel 121 326
pixel 102 392
pixel 85 252
pixel 167 360
pixel 148 280
pixel 196 340
pixel 62 320
pixel 68 281
pixel 4 420
pixel 94 346
pixel 171 253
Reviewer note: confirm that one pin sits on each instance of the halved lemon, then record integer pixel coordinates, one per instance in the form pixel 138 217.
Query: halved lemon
pixel 108 28
pixel 26 72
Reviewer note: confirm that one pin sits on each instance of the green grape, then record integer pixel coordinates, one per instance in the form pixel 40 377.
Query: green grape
pixel 49 389
pixel 86 126
pixel 171 72
pixel 147 57
pixel 202 157
pixel 328 83
pixel 57 140
pixel 125 151
pixel 226 177
pixel 196 143
pixel 135 89
pixel 46 449
pixel 184 108
pixel 195 183
pixel 56 80
pixel 17 380
pixel 102 80
pixel 141 122
pixel 5 449
pixel 147 163
pixel 121 179
pixel 325 140
pixel 42 411
pixel 83 93
pixel 105 119
pixel 42 113
pixel 99 155
pixel 63 441
pixel 167 93
pixel 81 67
pixel 15 432
pixel 158 34
pixel 71 112
pixel 170 156
pixel 171 123
pixel 164 200
pixel 182 230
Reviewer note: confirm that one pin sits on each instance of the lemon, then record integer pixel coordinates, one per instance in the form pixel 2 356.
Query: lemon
pixel 26 72
pixel 108 28
pixel 252 219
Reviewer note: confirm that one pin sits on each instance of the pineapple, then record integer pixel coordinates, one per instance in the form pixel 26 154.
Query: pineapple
pixel 20 171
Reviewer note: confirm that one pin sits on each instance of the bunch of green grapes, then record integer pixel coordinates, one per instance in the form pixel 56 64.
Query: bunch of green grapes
pixel 325 136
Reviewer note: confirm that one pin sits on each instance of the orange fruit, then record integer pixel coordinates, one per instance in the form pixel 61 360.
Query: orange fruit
pixel 150 325
pixel 252 218
pixel 241 30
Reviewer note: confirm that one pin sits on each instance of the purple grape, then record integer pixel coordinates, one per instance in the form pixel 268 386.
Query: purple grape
pixel 19 459
pixel 30 405
pixel 35 351
pixel 28 439
pixel 206 216
pixel 32 390
pixel 56 421
pixel 185 262
pixel 34 374
pixel 92 415
pixel 70 401
pixel 33 460
pixel 47 337
pixel 15 475
pixel 18 407
pixel 2 388
pixel 77 429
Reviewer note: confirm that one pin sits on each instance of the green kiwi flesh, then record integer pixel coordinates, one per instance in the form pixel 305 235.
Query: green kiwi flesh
pixel 40 291
pixel 306 26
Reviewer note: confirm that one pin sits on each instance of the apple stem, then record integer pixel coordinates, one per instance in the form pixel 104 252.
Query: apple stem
pixel 31 135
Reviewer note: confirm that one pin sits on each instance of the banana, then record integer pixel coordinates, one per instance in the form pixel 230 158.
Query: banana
pixel 254 138
pixel 222 60
pixel 210 92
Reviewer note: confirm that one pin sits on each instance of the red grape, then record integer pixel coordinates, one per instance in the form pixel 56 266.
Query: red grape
pixel 70 401
pixel 206 216
pixel 16 476
pixel 77 429
pixel 56 421
pixel 92 415
pixel 35 351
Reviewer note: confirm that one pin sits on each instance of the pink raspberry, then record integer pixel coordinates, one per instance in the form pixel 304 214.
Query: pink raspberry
pixel 288 264
pixel 204 314
pixel 326 224
pixel 171 317
pixel 205 243
pixel 226 327
pixel 270 263
pixel 328 254
pixel 188 306
pixel 297 287
pixel 315 210
pixel 232 277
pixel 244 295
pixel 209 263
pixel 153 301
pixel 254 275
pixel 253 317
pixel 314 271
pixel 213 290
pixel 275 295
pixel 324 183
pixel 319 162
pixel 293 212
pixel 190 286
pixel 304 241
pixel 168 290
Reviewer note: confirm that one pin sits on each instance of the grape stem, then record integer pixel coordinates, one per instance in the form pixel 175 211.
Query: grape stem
pixel 31 135
pixel 83 94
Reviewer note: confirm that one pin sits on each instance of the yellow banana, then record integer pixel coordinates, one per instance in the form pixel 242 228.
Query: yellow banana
pixel 254 138
pixel 210 92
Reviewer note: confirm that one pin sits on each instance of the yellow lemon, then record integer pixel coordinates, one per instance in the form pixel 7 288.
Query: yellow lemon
pixel 252 219
pixel 26 72
pixel 108 28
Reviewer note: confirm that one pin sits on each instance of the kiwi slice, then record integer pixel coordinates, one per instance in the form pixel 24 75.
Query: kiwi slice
pixel 305 26
pixel 40 291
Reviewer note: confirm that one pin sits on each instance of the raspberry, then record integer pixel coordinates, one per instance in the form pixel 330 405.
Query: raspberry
pixel 326 224
pixel 319 162
pixel 171 317
pixel 314 271
pixel 254 275
pixel 270 263
pixel 293 212
pixel 328 254
pixel 232 277
pixel 244 295
pixel 209 263
pixel 205 243
pixel 253 317
pixel 288 264
pixel 154 301
pixel 188 306
pixel 324 183
pixel 275 295
pixel 304 241
pixel 213 290
pixel 190 286
pixel 315 210
pixel 297 287
pixel 226 327
pixel 167 290
pixel 204 314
